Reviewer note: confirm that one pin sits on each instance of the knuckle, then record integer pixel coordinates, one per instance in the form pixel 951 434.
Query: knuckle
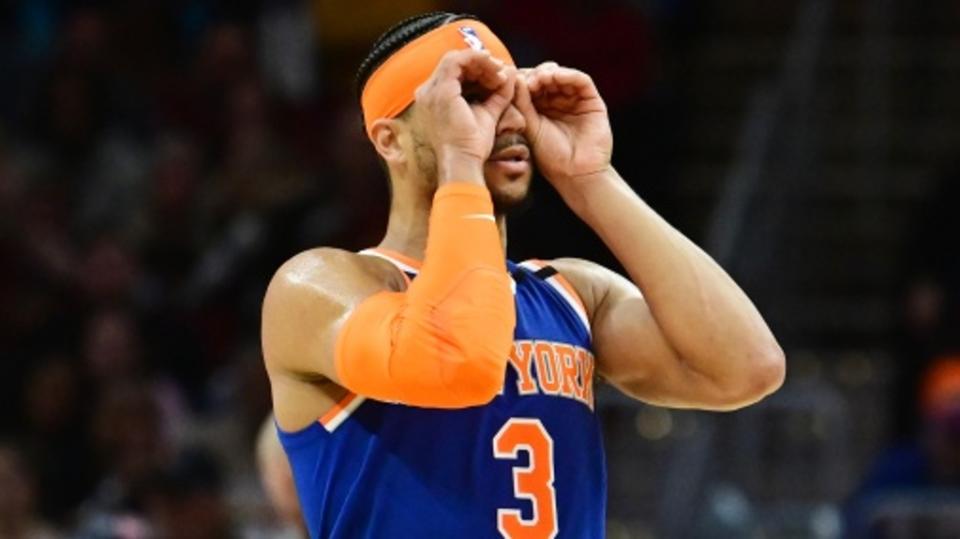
pixel 447 61
pixel 460 55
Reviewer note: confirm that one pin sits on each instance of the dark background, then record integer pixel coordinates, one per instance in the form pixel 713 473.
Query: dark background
pixel 159 160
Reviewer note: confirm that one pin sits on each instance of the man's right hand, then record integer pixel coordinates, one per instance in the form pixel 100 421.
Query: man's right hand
pixel 461 128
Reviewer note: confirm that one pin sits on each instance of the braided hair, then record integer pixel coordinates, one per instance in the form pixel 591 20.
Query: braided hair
pixel 399 35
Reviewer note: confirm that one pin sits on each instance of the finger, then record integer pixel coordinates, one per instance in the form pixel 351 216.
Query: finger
pixel 452 65
pixel 574 82
pixel 539 68
pixel 547 65
pixel 443 84
pixel 445 79
pixel 523 100
pixel 557 103
pixel 486 70
pixel 544 84
pixel 468 64
pixel 495 78
pixel 541 75
pixel 502 96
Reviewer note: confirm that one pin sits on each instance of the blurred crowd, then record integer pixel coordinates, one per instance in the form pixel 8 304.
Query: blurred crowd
pixel 912 487
pixel 158 160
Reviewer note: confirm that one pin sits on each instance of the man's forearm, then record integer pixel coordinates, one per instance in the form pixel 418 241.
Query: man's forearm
pixel 706 317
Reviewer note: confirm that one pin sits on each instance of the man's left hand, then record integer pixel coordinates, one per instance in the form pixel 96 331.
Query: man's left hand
pixel 567 125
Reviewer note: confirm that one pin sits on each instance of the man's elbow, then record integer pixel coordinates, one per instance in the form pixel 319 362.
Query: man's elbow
pixel 765 372
pixel 475 381
pixel 769 370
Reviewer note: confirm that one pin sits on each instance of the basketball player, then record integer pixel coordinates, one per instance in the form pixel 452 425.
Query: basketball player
pixel 276 477
pixel 428 387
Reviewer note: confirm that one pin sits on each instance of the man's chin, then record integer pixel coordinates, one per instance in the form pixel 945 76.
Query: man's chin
pixel 511 196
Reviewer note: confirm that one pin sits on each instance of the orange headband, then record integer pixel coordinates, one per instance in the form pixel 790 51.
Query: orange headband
pixel 390 89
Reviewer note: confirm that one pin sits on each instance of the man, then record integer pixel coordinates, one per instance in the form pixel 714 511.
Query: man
pixel 912 486
pixel 19 518
pixel 276 477
pixel 454 389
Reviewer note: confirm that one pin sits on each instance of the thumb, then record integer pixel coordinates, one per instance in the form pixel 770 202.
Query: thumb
pixel 524 103
pixel 502 96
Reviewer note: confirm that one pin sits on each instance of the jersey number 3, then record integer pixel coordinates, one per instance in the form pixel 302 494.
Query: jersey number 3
pixel 532 482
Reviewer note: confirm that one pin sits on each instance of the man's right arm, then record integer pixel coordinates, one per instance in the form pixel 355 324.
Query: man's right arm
pixel 308 300
pixel 444 341
pixel 441 343
pixel 306 304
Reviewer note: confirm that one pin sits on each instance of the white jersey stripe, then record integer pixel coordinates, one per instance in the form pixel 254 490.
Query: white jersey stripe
pixel 343 414
pixel 400 265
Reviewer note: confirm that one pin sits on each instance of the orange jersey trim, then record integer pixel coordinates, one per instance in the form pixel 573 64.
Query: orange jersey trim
pixel 562 281
pixel 340 411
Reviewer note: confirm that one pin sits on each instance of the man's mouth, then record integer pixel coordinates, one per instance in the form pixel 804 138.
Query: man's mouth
pixel 512 161
pixel 515 153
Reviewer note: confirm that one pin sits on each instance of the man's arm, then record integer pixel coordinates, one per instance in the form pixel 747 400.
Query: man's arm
pixel 309 299
pixel 692 338
pixel 443 341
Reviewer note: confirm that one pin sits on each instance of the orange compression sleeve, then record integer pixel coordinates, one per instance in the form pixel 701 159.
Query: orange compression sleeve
pixel 444 342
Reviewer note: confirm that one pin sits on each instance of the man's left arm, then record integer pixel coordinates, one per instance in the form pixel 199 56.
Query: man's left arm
pixel 691 338
pixel 682 333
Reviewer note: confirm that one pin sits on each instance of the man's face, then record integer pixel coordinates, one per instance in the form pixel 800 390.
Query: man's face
pixel 508 170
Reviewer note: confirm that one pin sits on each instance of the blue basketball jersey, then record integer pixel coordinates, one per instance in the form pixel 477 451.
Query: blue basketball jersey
pixel 529 464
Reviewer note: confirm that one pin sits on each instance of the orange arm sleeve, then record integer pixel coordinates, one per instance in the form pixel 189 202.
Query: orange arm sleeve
pixel 444 342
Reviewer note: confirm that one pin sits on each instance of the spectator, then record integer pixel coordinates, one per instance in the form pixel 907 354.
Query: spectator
pixel 53 433
pixel 113 354
pixel 132 448
pixel 185 499
pixel 928 464
pixel 18 517
pixel 930 323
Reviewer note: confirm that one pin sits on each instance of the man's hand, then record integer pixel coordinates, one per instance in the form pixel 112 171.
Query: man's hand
pixel 567 125
pixel 460 106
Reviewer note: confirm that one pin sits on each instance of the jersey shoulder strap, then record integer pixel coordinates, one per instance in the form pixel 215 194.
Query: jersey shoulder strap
pixel 408 266
pixel 558 282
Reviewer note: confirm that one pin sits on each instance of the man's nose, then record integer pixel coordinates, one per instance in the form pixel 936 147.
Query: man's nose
pixel 511 121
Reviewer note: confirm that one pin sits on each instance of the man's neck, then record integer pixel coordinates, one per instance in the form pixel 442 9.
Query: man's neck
pixel 409 224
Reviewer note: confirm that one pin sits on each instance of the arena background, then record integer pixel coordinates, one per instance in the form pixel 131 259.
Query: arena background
pixel 158 160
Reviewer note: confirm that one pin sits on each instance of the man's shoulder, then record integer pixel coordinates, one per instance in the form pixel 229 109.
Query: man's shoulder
pixel 577 268
pixel 319 259
pixel 597 285
pixel 310 293
pixel 588 279
pixel 330 266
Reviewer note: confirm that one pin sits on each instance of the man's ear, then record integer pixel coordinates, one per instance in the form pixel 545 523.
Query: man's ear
pixel 385 136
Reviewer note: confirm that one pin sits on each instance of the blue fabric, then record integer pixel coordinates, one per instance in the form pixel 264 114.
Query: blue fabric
pixel 398 471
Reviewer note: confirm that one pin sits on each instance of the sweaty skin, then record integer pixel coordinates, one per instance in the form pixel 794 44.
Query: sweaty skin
pixel 702 344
